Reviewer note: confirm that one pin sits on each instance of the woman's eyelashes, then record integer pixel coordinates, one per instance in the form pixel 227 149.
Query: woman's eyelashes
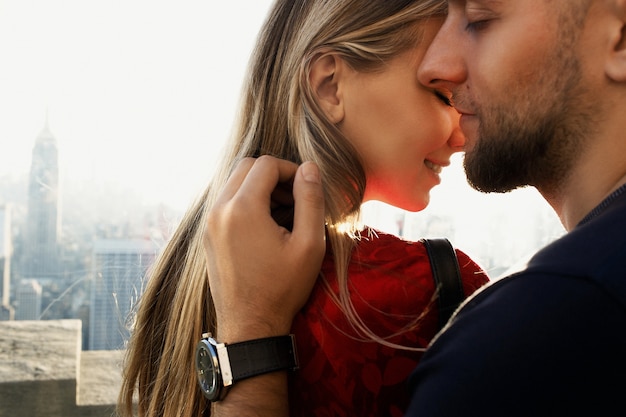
pixel 443 97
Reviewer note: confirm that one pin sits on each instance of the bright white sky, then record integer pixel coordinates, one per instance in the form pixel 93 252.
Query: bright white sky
pixel 139 91
pixel 143 92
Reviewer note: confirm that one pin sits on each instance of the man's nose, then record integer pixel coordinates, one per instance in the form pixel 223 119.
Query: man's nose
pixel 443 65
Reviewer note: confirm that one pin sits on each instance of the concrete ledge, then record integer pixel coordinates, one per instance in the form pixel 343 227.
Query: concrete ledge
pixel 44 373
pixel 39 350
pixel 100 377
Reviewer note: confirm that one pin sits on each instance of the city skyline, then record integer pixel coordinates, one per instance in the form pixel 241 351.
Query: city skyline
pixel 95 273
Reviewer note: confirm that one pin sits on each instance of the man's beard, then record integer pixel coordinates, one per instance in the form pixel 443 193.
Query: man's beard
pixel 536 137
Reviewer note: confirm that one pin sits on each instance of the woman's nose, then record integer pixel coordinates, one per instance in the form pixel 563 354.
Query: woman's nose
pixel 456 141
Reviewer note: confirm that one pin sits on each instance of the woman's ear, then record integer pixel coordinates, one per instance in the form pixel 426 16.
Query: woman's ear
pixel 616 64
pixel 325 78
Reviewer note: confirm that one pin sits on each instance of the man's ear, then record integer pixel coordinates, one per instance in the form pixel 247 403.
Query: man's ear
pixel 616 64
pixel 325 78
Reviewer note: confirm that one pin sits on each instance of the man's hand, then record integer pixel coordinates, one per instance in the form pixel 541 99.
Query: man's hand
pixel 260 272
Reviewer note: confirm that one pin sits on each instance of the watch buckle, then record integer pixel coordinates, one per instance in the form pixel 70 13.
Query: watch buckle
pixel 227 373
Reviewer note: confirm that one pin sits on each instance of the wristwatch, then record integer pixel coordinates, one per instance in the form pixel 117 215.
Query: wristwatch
pixel 219 366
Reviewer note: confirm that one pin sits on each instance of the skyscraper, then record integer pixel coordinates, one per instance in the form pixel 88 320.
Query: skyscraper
pixel 41 250
pixel 120 266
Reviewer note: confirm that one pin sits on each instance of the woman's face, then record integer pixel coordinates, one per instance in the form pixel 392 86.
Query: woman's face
pixel 403 132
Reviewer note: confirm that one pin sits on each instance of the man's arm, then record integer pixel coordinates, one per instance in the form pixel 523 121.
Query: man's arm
pixel 260 273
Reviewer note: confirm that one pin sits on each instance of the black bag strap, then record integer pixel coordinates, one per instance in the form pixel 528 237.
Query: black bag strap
pixel 447 276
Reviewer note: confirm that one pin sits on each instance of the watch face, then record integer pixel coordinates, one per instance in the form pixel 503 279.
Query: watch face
pixel 207 368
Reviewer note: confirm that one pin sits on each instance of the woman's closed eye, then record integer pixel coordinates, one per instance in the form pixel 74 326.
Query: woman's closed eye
pixel 445 98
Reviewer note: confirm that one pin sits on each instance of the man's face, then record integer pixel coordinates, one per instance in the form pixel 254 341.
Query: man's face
pixel 513 69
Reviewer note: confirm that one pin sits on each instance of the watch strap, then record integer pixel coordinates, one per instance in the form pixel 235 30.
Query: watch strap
pixel 261 356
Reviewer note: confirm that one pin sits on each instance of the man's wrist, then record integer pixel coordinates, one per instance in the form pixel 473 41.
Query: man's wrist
pixel 243 331
pixel 265 395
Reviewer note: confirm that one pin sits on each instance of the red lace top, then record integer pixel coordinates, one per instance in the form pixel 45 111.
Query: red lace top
pixel 343 374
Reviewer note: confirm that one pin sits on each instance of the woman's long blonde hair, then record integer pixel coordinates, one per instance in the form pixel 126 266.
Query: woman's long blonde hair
pixel 278 116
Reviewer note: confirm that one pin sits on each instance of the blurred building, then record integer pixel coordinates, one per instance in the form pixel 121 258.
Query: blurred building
pixel 28 300
pixel 6 251
pixel 41 249
pixel 120 266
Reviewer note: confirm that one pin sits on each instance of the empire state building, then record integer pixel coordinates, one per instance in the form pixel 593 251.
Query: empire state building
pixel 41 247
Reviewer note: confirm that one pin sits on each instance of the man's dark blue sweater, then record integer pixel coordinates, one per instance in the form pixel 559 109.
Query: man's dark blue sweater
pixel 547 341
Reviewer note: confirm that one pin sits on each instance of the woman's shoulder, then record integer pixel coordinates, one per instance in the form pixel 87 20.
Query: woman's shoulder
pixel 392 252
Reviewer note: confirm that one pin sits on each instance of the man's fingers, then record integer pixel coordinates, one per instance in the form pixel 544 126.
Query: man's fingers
pixel 269 181
pixel 309 217
pixel 265 176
